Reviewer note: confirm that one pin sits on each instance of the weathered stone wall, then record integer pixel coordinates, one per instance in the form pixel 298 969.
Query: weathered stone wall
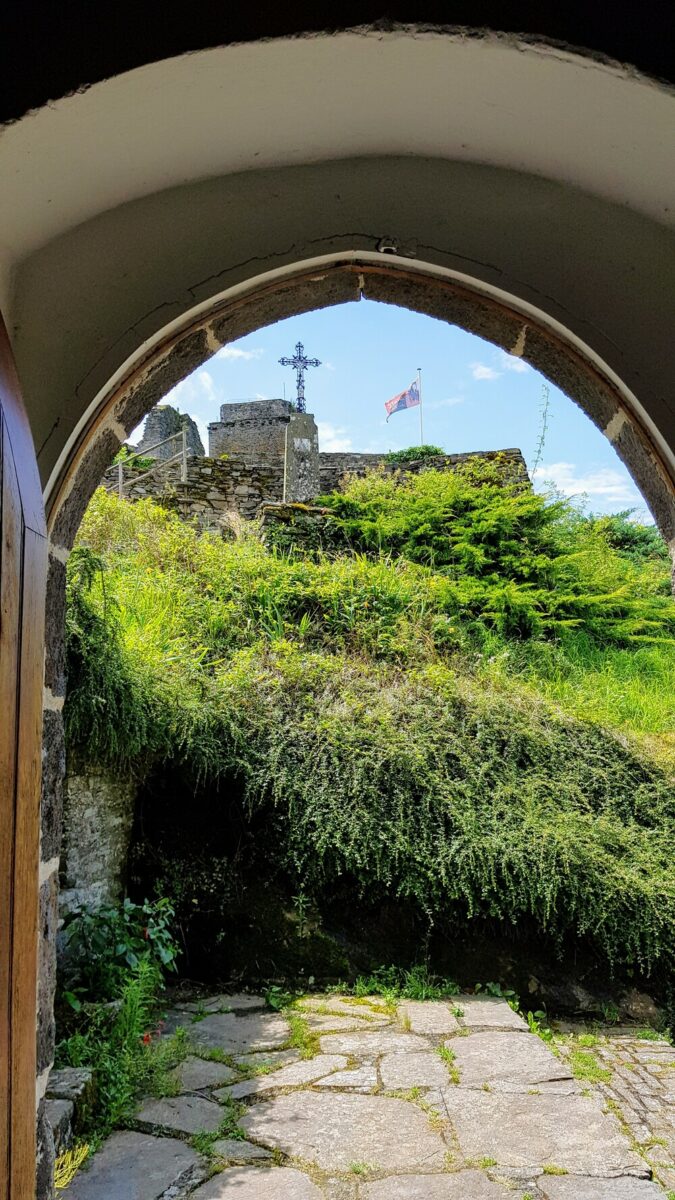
pixel 251 429
pixel 302 458
pixel 214 488
pixel 161 422
pixel 332 467
pixel 97 819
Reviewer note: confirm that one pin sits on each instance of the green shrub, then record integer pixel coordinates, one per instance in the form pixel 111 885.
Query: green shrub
pixel 413 454
pixel 404 715
pixel 120 1043
pixel 101 945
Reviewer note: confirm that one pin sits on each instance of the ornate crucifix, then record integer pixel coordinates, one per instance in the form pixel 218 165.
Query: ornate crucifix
pixel 300 365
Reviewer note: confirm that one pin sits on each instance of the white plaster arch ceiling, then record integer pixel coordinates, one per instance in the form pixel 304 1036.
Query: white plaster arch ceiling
pixel 540 173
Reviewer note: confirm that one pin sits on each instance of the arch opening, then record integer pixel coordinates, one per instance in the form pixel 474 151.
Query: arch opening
pixel 513 327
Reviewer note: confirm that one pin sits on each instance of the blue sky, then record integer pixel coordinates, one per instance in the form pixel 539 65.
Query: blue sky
pixel 475 397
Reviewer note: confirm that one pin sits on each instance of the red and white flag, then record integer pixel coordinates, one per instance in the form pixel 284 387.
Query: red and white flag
pixel 408 399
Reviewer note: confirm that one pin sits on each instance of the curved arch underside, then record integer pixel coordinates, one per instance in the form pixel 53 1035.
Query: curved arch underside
pixel 537 177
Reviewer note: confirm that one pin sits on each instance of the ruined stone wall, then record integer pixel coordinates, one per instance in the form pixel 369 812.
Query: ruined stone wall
pixel 161 422
pixel 333 467
pixel 251 429
pixel 214 488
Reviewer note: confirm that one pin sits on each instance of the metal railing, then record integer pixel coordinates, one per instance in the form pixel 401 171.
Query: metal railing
pixel 116 472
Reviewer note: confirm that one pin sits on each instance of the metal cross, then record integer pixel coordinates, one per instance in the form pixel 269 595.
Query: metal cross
pixel 300 365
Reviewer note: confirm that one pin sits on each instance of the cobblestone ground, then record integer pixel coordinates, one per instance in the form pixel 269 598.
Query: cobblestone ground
pixel 350 1100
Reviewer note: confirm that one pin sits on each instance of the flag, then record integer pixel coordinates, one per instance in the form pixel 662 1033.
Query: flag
pixel 407 399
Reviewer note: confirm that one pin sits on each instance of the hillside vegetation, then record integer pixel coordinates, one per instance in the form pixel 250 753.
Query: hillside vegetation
pixel 463 697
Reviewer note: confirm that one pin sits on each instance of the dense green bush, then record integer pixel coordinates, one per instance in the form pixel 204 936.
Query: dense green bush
pixel 413 454
pixel 385 711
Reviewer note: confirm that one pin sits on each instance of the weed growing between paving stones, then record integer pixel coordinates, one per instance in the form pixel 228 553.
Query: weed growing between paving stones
pixel 552 1169
pixel 585 1065
pixel 449 1057
pixel 302 1038
pixel 203 1142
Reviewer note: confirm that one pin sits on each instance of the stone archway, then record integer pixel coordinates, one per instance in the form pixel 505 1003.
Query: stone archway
pixel 121 280
pixel 513 327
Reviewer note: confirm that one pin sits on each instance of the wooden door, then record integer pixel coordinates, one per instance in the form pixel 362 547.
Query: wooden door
pixel 23 558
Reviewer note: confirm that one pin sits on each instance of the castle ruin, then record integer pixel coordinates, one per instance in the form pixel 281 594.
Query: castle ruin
pixel 265 452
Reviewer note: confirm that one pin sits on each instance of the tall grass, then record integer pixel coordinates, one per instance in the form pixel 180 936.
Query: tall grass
pixel 465 700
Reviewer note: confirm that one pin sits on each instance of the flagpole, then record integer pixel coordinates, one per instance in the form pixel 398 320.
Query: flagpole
pixel 419 393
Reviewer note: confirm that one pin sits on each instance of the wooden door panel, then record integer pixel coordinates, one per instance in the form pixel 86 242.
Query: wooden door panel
pixel 23 557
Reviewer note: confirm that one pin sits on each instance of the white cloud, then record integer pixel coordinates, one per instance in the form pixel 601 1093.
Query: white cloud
pixel 607 486
pixel 482 371
pixel 330 439
pixel 329 366
pixel 511 363
pixel 205 381
pixel 233 352
pixel 449 403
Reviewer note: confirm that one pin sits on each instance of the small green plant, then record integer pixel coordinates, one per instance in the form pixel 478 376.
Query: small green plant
pixel 204 1140
pixel 359 1168
pixel 449 1058
pixel 610 1013
pixel 486 1163
pixel 413 983
pixel 103 944
pixel 649 1035
pixel 537 1024
pixel 587 1040
pixel 498 990
pixel 552 1169
pixel 585 1065
pixel 278 998
pixel 301 1038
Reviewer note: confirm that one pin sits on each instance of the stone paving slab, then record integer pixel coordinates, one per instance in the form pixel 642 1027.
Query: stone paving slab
pixel 267 1058
pixel 360 1079
pixel 134 1166
pixel 506 1058
pixel 325 1023
pixel 462 1185
pixel 528 1131
pixel 239 1152
pixel 488 1012
pixel 240 1002
pixel 237 1035
pixel 336 1130
pixel 424 1070
pixel 341 1005
pixel 371 1045
pixel 258 1183
pixel 431 1017
pixel 571 1187
pixel 182 1114
pixel 194 1074
pixel 294 1075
